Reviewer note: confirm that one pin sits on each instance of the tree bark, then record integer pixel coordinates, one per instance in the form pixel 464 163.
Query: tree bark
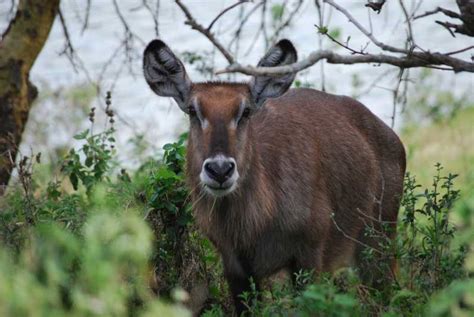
pixel 19 47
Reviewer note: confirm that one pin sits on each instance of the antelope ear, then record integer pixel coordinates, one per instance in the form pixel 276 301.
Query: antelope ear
pixel 263 87
pixel 165 73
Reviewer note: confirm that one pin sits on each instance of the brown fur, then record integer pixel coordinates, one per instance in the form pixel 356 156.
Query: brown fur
pixel 301 158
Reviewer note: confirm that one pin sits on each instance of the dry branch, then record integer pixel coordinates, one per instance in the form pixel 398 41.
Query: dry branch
pixel 416 60
pixel 198 27
pixel 404 58
pixel 224 12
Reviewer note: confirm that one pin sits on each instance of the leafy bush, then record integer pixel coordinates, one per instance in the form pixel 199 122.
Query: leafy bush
pixel 102 272
pixel 426 234
pixel 91 242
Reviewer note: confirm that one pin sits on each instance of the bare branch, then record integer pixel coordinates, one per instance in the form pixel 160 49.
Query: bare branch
pixel 417 59
pixel 352 238
pixel 154 14
pixel 466 15
pixel 68 48
pixel 460 51
pixel 361 28
pixel 287 22
pixel 409 58
pixel 449 13
pixel 86 18
pixel 411 38
pixel 323 31
pixel 201 29
pixel 320 10
pixel 129 38
pixel 224 12
pixel 243 22
pixel 395 97
pixel 447 26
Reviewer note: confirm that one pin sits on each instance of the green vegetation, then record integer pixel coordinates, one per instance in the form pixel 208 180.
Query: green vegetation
pixel 98 240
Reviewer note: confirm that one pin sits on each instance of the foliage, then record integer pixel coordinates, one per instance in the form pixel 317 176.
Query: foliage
pixel 432 280
pixel 101 271
pixel 426 234
pixel 66 253
pixel 97 152
pixel 121 244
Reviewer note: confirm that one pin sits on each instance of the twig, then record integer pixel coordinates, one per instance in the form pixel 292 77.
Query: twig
pixel 352 238
pixel 263 24
pixel 320 9
pixel 460 51
pixel 346 46
pixel 154 15
pixel 128 31
pixel 395 97
pixel 422 60
pixel 411 38
pixel 447 26
pixel 224 12
pixel 361 28
pixel 287 22
pixel 373 84
pixel 68 48
pixel 449 13
pixel 243 22
pixel 86 18
pixel 409 59
pixel 198 27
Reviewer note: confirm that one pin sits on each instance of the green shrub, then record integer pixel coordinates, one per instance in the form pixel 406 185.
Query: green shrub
pixel 94 242
pixel 102 272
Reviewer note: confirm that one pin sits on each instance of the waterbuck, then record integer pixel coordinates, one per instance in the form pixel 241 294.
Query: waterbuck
pixel 284 178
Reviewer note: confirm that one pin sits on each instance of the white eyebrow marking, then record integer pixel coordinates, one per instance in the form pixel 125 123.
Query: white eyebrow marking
pixel 197 108
pixel 234 122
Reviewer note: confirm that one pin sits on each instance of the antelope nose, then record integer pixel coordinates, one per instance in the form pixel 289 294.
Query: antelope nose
pixel 220 170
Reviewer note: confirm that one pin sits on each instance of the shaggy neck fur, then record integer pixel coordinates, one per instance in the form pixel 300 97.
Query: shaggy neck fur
pixel 234 220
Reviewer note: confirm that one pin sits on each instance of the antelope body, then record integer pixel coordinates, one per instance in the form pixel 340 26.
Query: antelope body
pixel 283 179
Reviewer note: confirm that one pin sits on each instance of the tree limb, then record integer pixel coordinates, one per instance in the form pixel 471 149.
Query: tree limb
pixel 224 12
pixel 403 58
pixel 19 47
pixel 201 29
pixel 416 60
pixel 351 19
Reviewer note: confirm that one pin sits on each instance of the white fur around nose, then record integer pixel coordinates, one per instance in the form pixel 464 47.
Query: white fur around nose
pixel 212 186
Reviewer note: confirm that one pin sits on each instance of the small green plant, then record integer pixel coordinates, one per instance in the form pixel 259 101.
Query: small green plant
pixel 101 272
pixel 92 161
pixel 326 300
pixel 89 249
pixel 426 234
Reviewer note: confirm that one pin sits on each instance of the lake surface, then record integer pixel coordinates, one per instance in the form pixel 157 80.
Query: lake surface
pixel 159 119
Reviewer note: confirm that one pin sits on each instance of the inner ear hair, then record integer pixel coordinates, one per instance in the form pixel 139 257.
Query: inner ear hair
pixel 165 73
pixel 264 87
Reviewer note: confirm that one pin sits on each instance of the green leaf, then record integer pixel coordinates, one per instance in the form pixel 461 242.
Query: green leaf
pixel 322 29
pixel 74 180
pixel 82 135
pixel 277 11
pixel 335 33
pixel 168 146
pixel 89 161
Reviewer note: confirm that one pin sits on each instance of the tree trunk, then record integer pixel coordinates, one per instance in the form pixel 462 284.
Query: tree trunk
pixel 19 47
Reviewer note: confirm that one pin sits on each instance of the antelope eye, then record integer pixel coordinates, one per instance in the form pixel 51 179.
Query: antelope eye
pixel 246 113
pixel 191 111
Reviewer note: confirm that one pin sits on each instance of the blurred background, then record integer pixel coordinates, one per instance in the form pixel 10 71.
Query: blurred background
pixel 96 46
pixel 108 38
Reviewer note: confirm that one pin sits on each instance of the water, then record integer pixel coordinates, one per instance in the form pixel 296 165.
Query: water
pixel 159 119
